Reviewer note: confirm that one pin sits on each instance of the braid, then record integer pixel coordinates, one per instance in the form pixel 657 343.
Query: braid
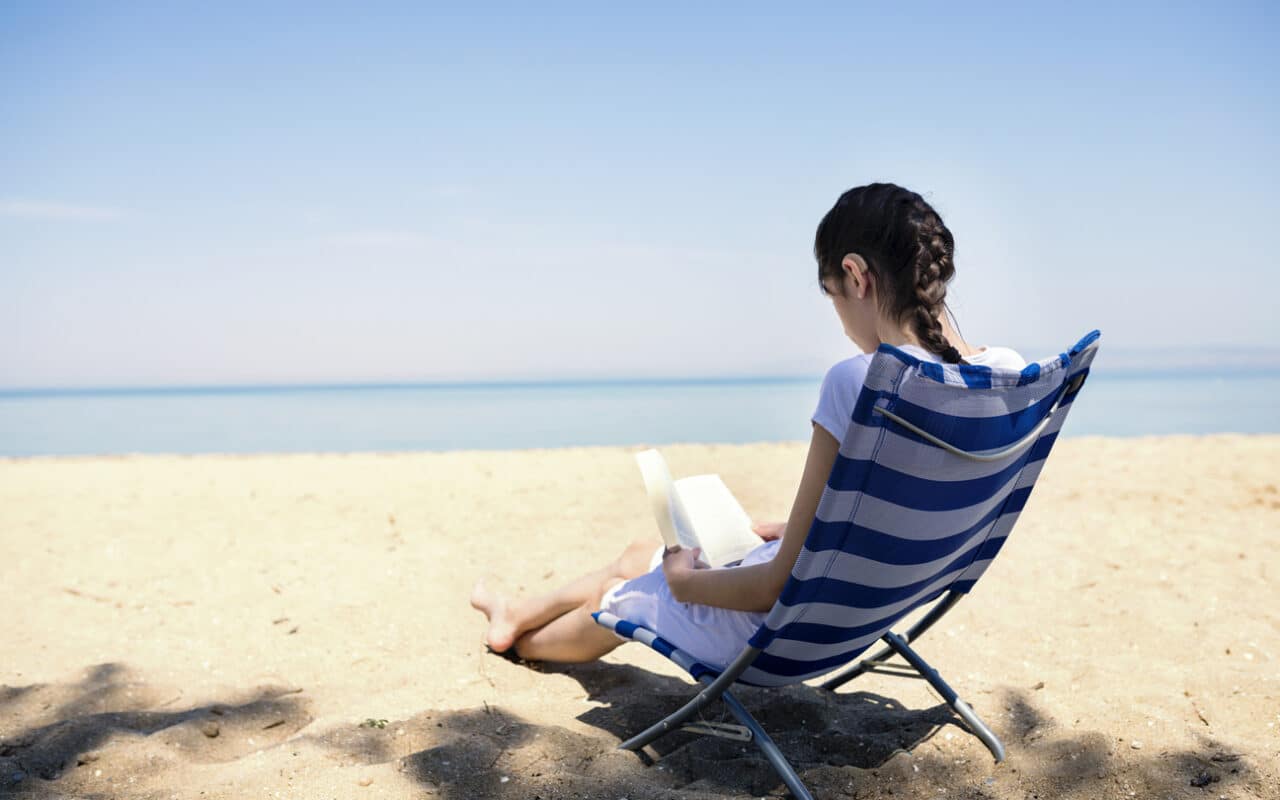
pixel 934 267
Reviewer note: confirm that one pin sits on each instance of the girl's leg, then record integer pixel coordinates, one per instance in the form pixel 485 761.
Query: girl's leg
pixel 509 621
pixel 569 638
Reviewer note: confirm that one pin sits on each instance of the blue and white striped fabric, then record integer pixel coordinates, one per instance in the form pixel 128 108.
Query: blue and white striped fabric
pixel 641 634
pixel 902 520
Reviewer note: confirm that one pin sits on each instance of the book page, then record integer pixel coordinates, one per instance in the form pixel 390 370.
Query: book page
pixel 713 518
pixel 657 482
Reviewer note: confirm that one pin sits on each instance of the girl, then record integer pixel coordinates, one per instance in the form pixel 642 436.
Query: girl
pixel 884 258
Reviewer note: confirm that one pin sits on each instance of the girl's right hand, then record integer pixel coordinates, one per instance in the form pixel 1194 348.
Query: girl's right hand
pixel 769 531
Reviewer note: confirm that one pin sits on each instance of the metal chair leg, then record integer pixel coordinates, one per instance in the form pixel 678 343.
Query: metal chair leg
pixel 859 667
pixel 675 721
pixel 714 689
pixel 914 632
pixel 975 723
pixel 979 729
pixel 771 752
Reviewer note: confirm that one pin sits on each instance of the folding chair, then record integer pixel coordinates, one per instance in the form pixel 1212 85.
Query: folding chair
pixel 936 466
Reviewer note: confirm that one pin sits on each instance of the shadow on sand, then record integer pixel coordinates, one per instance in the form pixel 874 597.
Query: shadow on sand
pixel 49 730
pixel 853 744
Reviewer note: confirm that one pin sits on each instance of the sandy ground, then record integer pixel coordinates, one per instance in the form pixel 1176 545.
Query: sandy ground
pixel 226 627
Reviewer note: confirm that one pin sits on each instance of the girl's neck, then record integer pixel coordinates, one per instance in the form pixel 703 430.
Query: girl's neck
pixel 896 336
pixel 953 336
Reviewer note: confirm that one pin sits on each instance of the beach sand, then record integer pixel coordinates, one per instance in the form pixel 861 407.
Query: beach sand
pixel 226 627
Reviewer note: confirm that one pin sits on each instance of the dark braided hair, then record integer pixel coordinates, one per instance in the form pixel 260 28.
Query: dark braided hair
pixel 907 248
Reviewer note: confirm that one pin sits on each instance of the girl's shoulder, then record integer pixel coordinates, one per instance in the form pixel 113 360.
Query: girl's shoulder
pixel 995 357
pixel 839 393
pixel 849 372
pixel 998 357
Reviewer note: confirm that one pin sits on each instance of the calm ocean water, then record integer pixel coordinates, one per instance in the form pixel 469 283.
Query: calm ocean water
pixel 495 416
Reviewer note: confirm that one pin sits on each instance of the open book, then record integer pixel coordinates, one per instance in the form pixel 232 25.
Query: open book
pixel 698 511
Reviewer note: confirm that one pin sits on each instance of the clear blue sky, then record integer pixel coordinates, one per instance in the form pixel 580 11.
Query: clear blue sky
pixel 290 192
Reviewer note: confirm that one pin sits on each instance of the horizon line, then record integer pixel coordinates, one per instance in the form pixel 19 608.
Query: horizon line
pixel 1156 371
pixel 459 383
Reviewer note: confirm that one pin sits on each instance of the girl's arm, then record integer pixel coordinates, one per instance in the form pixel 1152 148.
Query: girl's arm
pixel 756 587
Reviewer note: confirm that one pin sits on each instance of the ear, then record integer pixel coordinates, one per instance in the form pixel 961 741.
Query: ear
pixel 857 274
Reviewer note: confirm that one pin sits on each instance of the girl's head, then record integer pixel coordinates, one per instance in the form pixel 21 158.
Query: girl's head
pixel 885 258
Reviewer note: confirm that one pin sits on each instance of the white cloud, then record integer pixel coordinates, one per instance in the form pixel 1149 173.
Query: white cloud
pixel 31 209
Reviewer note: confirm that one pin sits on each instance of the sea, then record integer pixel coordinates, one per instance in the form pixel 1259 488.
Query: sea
pixel 504 416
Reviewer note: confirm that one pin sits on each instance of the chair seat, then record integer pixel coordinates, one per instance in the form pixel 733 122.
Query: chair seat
pixel 639 633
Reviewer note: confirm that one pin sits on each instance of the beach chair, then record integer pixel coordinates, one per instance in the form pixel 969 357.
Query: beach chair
pixel 936 466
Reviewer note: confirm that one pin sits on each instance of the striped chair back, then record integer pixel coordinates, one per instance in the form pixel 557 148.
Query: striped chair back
pixel 937 463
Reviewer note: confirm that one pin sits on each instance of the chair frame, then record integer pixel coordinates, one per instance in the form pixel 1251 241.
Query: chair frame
pixel 717 688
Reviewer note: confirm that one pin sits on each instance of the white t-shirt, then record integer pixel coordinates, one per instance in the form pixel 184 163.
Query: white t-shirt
pixel 843 382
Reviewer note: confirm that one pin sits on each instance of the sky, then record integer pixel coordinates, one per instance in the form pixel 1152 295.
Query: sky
pixel 248 193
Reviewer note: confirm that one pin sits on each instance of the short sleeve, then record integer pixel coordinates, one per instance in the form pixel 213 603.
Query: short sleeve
pixel 839 393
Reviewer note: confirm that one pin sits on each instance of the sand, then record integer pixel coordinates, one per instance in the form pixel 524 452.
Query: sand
pixel 298 626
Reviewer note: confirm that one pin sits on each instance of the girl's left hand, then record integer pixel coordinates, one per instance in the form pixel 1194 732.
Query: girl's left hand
pixel 678 564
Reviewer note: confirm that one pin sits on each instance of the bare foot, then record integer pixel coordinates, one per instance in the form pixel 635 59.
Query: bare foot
pixel 502 629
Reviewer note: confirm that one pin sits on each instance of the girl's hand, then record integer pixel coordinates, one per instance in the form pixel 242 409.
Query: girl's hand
pixel 769 530
pixel 678 564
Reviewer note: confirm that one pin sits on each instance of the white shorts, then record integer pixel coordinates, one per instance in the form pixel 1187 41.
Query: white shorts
pixel 714 636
